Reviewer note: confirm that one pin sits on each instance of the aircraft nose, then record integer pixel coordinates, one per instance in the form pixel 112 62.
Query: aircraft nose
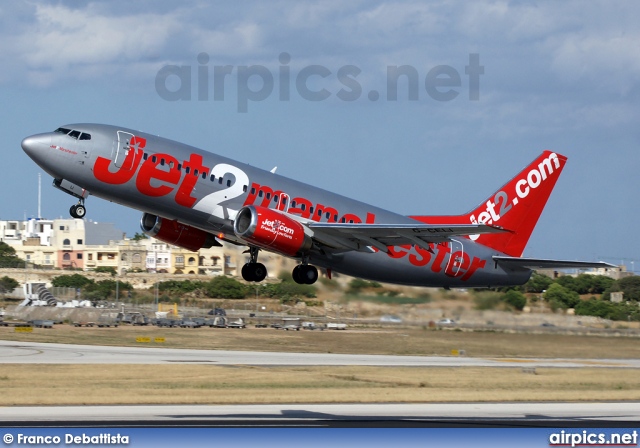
pixel 35 145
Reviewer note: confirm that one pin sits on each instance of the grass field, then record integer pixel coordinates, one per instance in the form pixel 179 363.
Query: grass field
pixel 393 341
pixel 157 384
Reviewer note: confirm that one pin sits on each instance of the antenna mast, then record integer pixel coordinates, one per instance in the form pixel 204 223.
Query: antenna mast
pixel 39 194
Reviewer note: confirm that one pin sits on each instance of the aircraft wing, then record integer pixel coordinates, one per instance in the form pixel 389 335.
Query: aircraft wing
pixel 540 263
pixel 362 237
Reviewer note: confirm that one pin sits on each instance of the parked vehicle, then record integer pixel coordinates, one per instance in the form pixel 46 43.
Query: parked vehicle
pixel 446 322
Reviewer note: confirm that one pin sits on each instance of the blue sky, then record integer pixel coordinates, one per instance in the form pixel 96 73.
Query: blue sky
pixel 563 76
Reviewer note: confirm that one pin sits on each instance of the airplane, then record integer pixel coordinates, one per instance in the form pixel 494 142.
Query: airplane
pixel 195 199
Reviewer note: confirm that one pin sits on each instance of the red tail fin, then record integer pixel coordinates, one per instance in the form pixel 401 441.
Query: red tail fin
pixel 516 206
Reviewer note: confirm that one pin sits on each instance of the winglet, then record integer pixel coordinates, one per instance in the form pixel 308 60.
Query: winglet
pixel 516 206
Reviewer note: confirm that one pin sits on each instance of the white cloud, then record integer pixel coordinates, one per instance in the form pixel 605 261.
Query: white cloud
pixel 71 43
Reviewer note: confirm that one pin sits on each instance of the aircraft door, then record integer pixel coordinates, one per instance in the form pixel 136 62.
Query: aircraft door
pixel 84 147
pixel 283 202
pixel 122 148
pixel 456 257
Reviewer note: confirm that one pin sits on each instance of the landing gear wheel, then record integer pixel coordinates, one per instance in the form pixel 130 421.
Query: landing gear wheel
pixel 310 275
pixel 297 275
pixel 247 273
pixel 259 272
pixel 305 274
pixel 254 272
pixel 80 211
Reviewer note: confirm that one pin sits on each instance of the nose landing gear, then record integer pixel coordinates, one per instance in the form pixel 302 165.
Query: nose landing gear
pixel 78 210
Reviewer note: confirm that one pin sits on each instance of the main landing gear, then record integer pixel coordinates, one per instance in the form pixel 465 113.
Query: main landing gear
pixel 78 211
pixel 305 274
pixel 253 271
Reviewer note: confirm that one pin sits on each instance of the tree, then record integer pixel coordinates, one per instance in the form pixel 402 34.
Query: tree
pixel 108 269
pixel 71 281
pixel 630 286
pixel 608 310
pixel 516 299
pixel 537 283
pixel 105 288
pixel 8 257
pixel 139 236
pixel 223 287
pixel 600 284
pixel 179 286
pixel 8 284
pixel 560 297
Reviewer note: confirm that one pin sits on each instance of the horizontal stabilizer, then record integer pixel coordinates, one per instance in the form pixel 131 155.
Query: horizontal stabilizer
pixel 539 263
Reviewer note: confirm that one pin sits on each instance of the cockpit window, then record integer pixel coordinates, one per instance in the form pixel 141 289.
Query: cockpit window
pixel 74 134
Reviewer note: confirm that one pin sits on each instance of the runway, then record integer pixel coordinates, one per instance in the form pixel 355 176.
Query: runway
pixel 391 414
pixel 12 352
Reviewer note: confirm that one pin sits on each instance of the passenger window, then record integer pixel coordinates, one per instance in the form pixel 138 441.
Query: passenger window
pixel 268 195
pixel 145 156
pixel 293 204
pixel 253 190
pixel 275 198
pixel 311 210
pixel 302 207
pixel 162 162
pixel 228 182
pixel 195 172
pixel 187 170
pixel 154 159
pixel 179 166
pixel 260 194
pixel 220 180
pixel 204 175
pixel 244 189
pixel 213 178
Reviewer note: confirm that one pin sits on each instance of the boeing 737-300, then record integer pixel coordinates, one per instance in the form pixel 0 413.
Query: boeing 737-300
pixel 194 199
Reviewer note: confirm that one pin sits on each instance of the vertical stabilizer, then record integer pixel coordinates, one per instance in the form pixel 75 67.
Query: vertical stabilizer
pixel 516 206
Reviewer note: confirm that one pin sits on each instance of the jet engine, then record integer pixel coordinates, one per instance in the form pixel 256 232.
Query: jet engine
pixel 174 232
pixel 271 229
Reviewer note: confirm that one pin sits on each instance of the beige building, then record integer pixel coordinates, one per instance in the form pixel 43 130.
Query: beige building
pixel 132 256
pixel 69 243
pixel 102 256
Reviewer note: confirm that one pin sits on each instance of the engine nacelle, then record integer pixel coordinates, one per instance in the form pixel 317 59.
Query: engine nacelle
pixel 176 233
pixel 272 230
